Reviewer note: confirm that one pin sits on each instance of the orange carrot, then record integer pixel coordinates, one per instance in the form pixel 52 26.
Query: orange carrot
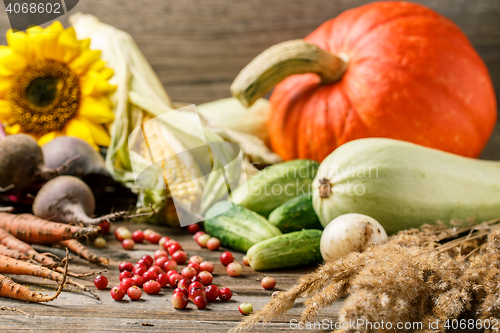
pixel 34 230
pixel 17 267
pixel 16 254
pixel 82 251
pixel 12 242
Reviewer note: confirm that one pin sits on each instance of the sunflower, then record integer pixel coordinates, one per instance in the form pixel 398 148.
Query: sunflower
pixel 52 84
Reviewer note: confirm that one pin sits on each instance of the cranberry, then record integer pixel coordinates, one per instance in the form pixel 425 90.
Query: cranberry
pixel 148 258
pixel 100 242
pixel 154 238
pixel 155 269
pixel 245 261
pixel 193 293
pixel 152 287
pixel 128 244
pixel 144 262
pixel 188 272
pixel 200 302
pixel 122 233
pixel 213 244
pixel 104 227
pixel 138 236
pixel 170 272
pixel 180 257
pixel 245 308
pixel 125 274
pixel 162 242
pixel 139 269
pixel 226 258
pixel 225 294
pixel 196 259
pixel 179 301
pixel 193 228
pixel 100 282
pixel 149 275
pixel 212 292
pixel 148 232
pixel 195 285
pixel 138 280
pixel 160 253
pixel 207 266
pixel 169 265
pixel 174 279
pixel 134 293
pixel 197 279
pixel 169 243
pixel 268 283
pixel 117 293
pixel 198 234
pixel 181 290
pixel 195 266
pixel 206 277
pixel 202 240
pixel 184 283
pixel 160 262
pixel 234 269
pixel 127 283
pixel 162 279
pixel 174 248
pixel 125 266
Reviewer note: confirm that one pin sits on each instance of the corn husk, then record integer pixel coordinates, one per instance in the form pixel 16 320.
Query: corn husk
pixel 148 132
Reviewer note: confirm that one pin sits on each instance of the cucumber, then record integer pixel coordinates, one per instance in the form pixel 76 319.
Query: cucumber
pixel 296 249
pixel 275 185
pixel 237 228
pixel 295 214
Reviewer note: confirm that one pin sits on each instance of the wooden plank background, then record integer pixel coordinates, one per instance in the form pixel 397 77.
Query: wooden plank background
pixel 198 47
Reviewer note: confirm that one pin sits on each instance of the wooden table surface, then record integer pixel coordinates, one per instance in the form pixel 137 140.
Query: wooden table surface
pixel 75 311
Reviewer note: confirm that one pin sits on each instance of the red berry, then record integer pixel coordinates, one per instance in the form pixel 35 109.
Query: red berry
pixel 206 277
pixel 162 279
pixel 207 266
pixel 122 233
pixel 149 275
pixel 170 272
pixel 125 274
pixel 200 302
pixel 148 258
pixel 245 308
pixel 125 266
pixel 169 265
pixel 202 240
pixel 174 248
pixel 268 283
pixel 184 283
pixel 245 261
pixel 198 234
pixel 128 244
pixel 197 279
pixel 154 238
pixel 226 258
pixel 234 269
pixel 138 236
pixel 162 242
pixel 212 292
pixel 138 280
pixel 155 269
pixel 193 293
pixel 139 269
pixel 169 243
pixel 127 283
pixel 174 279
pixel 148 232
pixel 195 285
pixel 225 294
pixel 100 282
pixel 144 262
pixel 160 262
pixel 152 287
pixel 188 272
pixel 181 290
pixel 195 266
pixel 179 301
pixel 134 293
pixel 104 227
pixel 193 228
pixel 160 253
pixel 196 259
pixel 117 293
pixel 213 244
pixel 180 257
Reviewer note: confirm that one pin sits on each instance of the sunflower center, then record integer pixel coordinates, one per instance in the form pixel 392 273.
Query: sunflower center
pixel 45 96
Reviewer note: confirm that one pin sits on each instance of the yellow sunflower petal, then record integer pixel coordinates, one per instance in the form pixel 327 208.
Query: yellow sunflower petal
pixel 78 129
pixel 68 42
pixel 93 84
pixel 19 42
pixel 47 138
pixel 82 64
pixel 14 129
pixel 96 111
pixel 99 133
pixel 35 31
pixel 5 85
pixel 10 63
pixel 5 112
pixel 84 44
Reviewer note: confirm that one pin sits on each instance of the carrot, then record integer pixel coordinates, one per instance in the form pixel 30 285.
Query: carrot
pixel 3 308
pixel 16 254
pixel 34 230
pixel 83 252
pixel 11 289
pixel 17 267
pixel 13 243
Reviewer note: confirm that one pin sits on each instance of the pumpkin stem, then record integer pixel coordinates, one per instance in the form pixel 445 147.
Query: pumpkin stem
pixel 279 62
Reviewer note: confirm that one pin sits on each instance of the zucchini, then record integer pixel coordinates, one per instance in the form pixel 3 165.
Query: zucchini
pixel 275 185
pixel 404 185
pixel 296 249
pixel 237 228
pixel 295 214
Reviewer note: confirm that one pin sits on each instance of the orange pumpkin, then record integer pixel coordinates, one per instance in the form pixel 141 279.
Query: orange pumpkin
pixel 387 69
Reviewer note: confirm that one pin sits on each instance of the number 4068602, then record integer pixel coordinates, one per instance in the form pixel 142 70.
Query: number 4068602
pixel 34 8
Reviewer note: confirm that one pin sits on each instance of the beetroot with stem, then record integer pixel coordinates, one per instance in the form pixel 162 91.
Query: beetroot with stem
pixel 67 199
pixel 87 160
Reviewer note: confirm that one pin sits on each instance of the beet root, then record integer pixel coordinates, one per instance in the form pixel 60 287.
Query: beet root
pixel 87 161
